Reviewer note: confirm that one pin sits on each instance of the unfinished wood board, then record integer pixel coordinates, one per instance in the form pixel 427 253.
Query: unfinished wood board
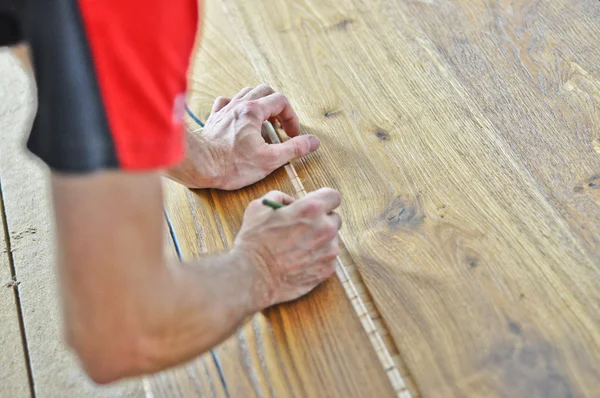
pixel 545 56
pixel 486 290
pixel 13 366
pixel 55 371
pixel 296 349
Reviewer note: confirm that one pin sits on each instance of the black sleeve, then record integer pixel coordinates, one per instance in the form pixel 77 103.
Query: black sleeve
pixel 11 28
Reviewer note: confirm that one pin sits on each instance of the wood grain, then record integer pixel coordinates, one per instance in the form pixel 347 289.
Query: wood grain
pixel 219 68
pixel 485 287
pixel 198 378
pixel 542 55
pixel 270 355
pixel 218 65
pixel 13 367
pixel 354 289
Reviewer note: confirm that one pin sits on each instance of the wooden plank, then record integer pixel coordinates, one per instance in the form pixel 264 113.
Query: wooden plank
pixel 198 378
pixel 55 371
pixel 218 66
pixel 269 355
pixel 13 366
pixel 359 297
pixel 543 55
pixel 485 289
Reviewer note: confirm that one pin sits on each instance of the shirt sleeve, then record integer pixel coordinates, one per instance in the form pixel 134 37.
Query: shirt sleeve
pixel 111 79
pixel 11 29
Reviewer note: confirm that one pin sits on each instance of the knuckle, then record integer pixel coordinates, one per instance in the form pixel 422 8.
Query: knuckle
pixel 330 230
pixel 249 109
pixel 338 220
pixel 270 161
pixel 328 269
pixel 297 149
pixel 273 158
pixel 280 97
pixel 331 192
pixel 255 203
pixel 312 208
pixel 264 87
pixel 332 253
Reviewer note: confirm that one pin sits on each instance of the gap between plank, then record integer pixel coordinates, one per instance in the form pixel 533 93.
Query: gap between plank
pixel 382 351
pixel 213 354
pixel 16 293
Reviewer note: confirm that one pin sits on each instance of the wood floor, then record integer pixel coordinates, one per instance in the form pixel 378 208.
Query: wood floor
pixel 464 137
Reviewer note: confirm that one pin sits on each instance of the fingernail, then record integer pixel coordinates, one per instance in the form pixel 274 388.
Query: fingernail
pixel 314 143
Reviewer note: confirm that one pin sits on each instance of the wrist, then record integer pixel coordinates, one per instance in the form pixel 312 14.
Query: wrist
pixel 260 289
pixel 198 170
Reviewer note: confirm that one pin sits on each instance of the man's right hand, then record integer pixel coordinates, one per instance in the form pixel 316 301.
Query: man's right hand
pixel 293 248
pixel 129 312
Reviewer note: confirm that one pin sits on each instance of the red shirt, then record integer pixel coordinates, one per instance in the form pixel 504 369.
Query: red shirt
pixel 111 78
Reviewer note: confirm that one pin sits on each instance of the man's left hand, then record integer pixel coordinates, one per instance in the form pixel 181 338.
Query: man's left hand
pixel 230 152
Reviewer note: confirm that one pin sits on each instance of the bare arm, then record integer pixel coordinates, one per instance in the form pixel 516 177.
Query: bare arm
pixel 127 312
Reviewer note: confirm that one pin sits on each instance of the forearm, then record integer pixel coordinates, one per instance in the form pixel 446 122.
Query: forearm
pixel 168 316
pixel 204 303
pixel 126 310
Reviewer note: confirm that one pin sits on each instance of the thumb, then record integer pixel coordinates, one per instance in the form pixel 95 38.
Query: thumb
pixel 293 148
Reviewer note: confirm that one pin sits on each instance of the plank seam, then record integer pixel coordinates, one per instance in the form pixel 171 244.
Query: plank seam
pixel 212 351
pixel 17 295
pixel 382 352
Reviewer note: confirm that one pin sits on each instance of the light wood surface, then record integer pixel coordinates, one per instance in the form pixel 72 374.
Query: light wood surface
pixel 544 56
pixel 261 360
pixel 484 274
pixel 13 366
pixel 291 350
pixel 199 378
pixel 465 139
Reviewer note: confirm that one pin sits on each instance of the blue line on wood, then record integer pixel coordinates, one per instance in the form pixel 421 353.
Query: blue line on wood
pixel 194 117
pixel 180 255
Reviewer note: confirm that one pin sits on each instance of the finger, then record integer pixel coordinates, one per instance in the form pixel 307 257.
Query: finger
pixel 219 104
pixel 328 251
pixel 336 220
pixel 279 197
pixel 241 93
pixel 330 198
pixel 294 148
pixel 325 242
pixel 260 91
pixel 275 123
pixel 277 105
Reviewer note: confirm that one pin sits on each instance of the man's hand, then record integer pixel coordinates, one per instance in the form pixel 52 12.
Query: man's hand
pixel 128 312
pixel 230 153
pixel 294 247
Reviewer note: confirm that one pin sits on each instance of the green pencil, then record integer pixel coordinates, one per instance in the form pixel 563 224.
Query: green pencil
pixel 273 205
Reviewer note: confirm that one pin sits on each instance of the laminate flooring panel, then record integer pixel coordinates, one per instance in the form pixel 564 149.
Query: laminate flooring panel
pixel 487 282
